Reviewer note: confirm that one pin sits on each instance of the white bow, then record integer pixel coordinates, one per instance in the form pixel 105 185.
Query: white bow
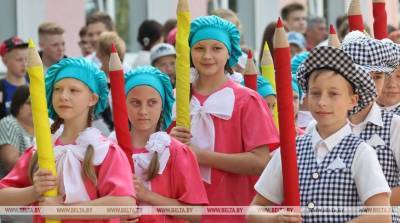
pixel 68 162
pixel 219 104
pixel 158 142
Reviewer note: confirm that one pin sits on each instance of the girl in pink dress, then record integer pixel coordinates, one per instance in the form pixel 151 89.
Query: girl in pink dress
pixel 90 167
pixel 166 171
pixel 231 127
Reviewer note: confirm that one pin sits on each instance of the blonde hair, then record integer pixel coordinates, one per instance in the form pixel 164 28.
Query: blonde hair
pixel 49 28
pixel 87 167
pixel 228 15
pixel 106 39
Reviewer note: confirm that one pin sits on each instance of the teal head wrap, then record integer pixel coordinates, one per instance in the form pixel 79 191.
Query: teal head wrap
pixel 80 69
pixel 216 28
pixel 153 77
pixel 295 63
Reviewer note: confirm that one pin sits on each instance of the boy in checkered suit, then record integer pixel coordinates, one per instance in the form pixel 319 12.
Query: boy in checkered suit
pixel 336 168
pixel 379 128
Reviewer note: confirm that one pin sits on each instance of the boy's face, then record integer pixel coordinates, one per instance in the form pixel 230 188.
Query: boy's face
pixel 167 65
pixel 297 21
pixel 391 89
pixel 16 62
pixel 53 46
pixel 94 31
pixel 379 79
pixel 329 99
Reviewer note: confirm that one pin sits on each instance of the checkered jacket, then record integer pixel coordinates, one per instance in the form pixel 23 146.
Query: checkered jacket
pixel 385 154
pixel 320 186
pixel 396 110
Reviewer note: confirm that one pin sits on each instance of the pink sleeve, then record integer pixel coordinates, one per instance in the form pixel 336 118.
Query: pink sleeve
pixel 115 175
pixel 187 183
pixel 258 128
pixel 18 176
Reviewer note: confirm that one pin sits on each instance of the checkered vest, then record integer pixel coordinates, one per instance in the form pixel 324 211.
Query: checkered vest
pixel 385 154
pixel 320 186
pixel 396 110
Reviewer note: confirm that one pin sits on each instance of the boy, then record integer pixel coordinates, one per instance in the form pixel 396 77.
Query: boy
pixel 163 56
pixel 295 17
pixel 336 168
pixel 52 43
pixel 14 55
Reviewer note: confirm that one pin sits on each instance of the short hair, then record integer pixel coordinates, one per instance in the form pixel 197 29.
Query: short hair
pixel 149 33
pixel 19 98
pixel 83 31
pixel 106 39
pixel 318 72
pixel 291 8
pixel 50 28
pixel 169 25
pixel 227 14
pixel 312 22
pixel 101 17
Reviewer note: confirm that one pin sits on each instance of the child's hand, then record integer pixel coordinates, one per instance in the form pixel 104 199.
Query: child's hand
pixel 51 201
pixel 129 219
pixel 182 134
pixel 141 191
pixel 292 217
pixel 43 180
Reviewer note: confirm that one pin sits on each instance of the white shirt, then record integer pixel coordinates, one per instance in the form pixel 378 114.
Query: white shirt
pixel 304 118
pixel 390 108
pixel 365 169
pixel 375 117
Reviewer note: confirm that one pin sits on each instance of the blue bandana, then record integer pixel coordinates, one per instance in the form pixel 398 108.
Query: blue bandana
pixel 82 70
pixel 153 77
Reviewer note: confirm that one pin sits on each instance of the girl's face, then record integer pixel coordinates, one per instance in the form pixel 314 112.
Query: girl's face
pixel 72 99
pixel 144 106
pixel 209 57
pixel 379 79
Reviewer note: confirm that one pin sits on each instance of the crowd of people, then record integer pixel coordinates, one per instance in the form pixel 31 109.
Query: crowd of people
pixel 346 106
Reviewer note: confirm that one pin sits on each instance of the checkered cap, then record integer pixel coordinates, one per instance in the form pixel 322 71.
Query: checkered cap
pixel 326 57
pixel 373 55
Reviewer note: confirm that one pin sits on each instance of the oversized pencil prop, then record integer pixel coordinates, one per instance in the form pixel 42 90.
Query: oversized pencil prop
pixel 333 39
pixel 250 73
pixel 287 129
pixel 380 19
pixel 40 116
pixel 120 114
pixel 182 65
pixel 268 72
pixel 355 17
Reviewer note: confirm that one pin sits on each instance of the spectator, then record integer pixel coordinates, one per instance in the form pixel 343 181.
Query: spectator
pixel 297 43
pixel 163 56
pixel 52 43
pixel 149 34
pixel 14 55
pixel 104 48
pixel 169 25
pixel 294 17
pixel 16 130
pixel 316 32
pixel 84 44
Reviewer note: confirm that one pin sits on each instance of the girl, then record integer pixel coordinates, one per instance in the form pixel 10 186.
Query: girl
pixel 166 171
pixel 232 127
pixel 89 165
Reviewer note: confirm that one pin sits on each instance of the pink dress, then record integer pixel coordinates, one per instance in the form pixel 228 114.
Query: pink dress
pixel 112 179
pixel 250 126
pixel 180 180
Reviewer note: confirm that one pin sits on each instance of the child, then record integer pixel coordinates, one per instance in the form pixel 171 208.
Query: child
pixel 89 165
pixel 15 55
pixel 390 97
pixel 335 167
pixel 163 56
pixel 380 129
pixel 231 127
pixel 166 171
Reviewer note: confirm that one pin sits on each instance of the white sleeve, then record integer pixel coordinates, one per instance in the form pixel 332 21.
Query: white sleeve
pixel 270 183
pixel 395 138
pixel 367 173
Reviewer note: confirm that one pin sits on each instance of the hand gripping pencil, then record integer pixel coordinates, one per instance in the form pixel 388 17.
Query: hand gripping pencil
pixel 287 129
pixel 40 116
